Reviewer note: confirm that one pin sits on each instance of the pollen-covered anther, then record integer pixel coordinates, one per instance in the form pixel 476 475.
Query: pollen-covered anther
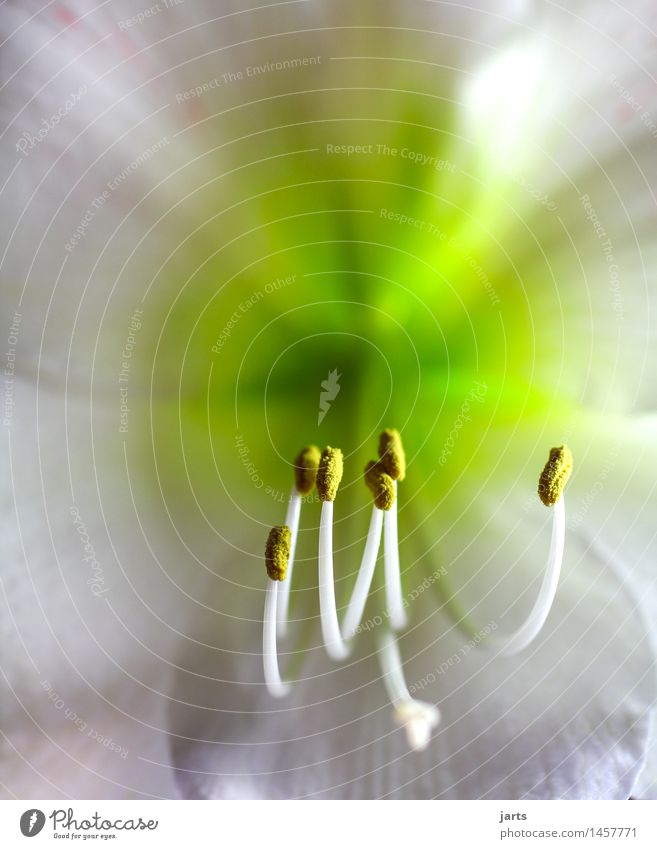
pixel 306 465
pixel 555 475
pixel 277 552
pixel 329 473
pixel 391 452
pixel 380 484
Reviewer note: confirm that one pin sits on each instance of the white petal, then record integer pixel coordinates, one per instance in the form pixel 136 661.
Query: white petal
pixel 162 223
pixel 54 563
pixel 569 158
pixel 646 783
pixel 88 644
pixel 567 720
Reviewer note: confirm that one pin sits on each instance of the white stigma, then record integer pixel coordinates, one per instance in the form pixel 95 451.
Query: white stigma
pixel 273 681
pixel 531 627
pixel 292 521
pixel 335 647
pixel 418 718
pixel 394 598
pixel 365 574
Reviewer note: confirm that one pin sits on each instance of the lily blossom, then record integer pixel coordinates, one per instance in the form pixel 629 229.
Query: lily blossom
pixel 447 208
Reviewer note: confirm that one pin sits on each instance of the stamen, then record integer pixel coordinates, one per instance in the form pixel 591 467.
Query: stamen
pixel 292 521
pixel 277 552
pixel 393 460
pixel 394 595
pixel 419 718
pixel 555 476
pixel 329 473
pixel 380 484
pixel 391 452
pixel 382 488
pixel 365 574
pixel 328 481
pixel 306 464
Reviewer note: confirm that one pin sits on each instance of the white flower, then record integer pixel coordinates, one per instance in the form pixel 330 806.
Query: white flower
pixel 207 209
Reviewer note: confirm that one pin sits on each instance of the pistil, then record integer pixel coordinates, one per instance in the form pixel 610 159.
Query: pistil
pixel 418 718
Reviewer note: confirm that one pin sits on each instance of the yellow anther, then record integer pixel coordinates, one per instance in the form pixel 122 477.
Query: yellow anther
pixel 391 452
pixel 380 484
pixel 554 476
pixel 277 552
pixel 329 473
pixel 306 465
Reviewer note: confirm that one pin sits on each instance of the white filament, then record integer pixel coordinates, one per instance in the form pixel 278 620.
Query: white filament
pixel 394 598
pixel 365 574
pixel 335 648
pixel 531 627
pixel 418 718
pixel 273 681
pixel 292 521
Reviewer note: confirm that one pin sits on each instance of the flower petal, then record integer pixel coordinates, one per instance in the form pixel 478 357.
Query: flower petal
pixel 569 157
pixel 567 719
pixel 87 642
